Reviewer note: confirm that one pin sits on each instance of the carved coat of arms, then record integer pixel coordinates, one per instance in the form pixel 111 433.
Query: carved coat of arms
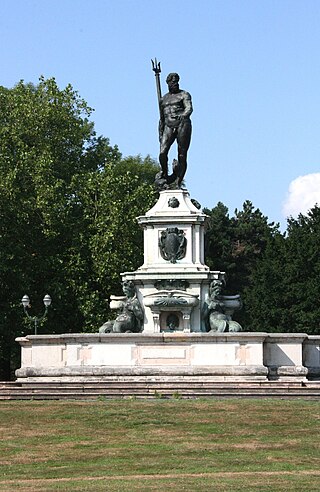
pixel 172 244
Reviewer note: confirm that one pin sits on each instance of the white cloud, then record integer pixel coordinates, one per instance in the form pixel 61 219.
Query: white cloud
pixel 303 194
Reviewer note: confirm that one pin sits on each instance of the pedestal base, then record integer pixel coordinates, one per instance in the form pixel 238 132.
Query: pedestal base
pixel 224 356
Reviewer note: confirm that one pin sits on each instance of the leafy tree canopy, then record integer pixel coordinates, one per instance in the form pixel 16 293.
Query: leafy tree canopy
pixel 235 245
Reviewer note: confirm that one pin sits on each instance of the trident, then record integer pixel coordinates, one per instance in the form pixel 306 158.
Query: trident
pixel 157 70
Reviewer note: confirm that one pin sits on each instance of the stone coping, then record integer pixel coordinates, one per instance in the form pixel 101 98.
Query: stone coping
pixel 160 218
pixel 146 338
pixel 193 272
pixel 314 338
pixel 287 337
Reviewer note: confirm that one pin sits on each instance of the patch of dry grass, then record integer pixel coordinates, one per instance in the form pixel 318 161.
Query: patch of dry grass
pixel 160 444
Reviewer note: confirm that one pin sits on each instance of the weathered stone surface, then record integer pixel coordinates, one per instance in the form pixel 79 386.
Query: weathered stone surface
pixel 222 355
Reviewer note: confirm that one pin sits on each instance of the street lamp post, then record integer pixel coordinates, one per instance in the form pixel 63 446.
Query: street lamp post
pixel 34 319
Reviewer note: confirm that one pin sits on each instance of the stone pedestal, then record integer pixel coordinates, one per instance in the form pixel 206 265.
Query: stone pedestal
pixel 230 356
pixel 311 356
pixel 220 356
pixel 169 283
pixel 172 286
pixel 283 355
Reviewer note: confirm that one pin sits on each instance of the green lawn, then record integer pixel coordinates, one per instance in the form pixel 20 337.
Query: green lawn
pixel 137 445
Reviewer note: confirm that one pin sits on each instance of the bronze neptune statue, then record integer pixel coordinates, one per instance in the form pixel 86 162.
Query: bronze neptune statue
pixel 175 125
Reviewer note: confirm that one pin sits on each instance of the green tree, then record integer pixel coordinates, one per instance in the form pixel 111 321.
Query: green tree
pixel 302 273
pixel 218 239
pixel 285 289
pixel 234 245
pixel 266 302
pixel 112 199
pixel 251 233
pixel 46 143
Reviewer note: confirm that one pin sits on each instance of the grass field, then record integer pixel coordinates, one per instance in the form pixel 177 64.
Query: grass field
pixel 160 445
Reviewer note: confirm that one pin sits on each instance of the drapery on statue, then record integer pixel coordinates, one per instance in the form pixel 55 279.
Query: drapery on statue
pixel 175 109
pixel 130 319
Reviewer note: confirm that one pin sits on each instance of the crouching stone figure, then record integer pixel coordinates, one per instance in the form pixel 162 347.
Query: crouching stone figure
pixel 130 319
pixel 213 311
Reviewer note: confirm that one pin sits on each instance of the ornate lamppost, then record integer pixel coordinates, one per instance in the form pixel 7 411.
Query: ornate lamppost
pixel 34 319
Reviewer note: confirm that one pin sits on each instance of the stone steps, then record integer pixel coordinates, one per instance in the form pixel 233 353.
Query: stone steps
pixel 157 388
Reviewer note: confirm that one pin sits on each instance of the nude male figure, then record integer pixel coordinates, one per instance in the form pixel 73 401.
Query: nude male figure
pixel 175 124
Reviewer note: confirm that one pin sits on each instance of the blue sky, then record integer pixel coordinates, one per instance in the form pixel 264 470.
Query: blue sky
pixel 252 68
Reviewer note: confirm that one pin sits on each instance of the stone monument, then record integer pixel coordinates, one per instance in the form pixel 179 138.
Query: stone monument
pixel 173 320
pixel 174 287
